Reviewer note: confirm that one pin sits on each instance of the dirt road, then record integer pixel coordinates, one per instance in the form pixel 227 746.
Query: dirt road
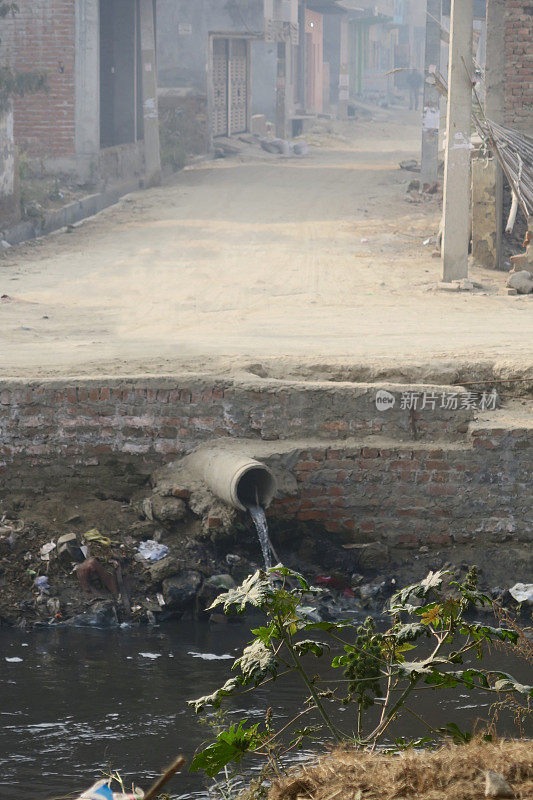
pixel 256 257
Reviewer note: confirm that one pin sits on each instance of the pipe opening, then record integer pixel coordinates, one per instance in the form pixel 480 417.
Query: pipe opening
pixel 256 485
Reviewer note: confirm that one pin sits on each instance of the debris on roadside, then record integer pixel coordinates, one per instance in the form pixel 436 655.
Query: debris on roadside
pixel 101 790
pixel 42 584
pixel 94 535
pixel 410 164
pixel 300 148
pixel 152 551
pixel 69 548
pixel 522 281
pixel 275 146
pixel 463 285
pixel 522 593
pixel 245 144
pixel 91 573
pixel 46 549
pixel 419 192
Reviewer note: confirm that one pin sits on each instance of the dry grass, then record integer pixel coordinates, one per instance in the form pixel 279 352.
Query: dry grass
pixel 452 773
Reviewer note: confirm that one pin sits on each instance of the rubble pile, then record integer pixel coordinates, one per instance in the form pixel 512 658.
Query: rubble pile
pixel 169 553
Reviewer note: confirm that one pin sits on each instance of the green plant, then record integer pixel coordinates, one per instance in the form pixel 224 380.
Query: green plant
pixel 430 625
pixel 182 133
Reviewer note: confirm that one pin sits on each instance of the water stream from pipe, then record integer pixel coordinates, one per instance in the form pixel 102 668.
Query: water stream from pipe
pixel 257 512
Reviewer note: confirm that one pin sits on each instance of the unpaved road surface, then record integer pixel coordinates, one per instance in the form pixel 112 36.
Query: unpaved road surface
pixel 288 260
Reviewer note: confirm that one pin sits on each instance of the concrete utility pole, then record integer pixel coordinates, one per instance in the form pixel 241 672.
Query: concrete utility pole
pixel 152 157
pixel 456 233
pixel 431 115
pixel 281 90
pixel 495 110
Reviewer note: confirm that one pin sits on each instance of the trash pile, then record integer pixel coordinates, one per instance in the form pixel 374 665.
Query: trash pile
pixel 284 147
pixel 246 143
pixel 418 192
pixel 85 578
pixel 153 560
pixel 102 789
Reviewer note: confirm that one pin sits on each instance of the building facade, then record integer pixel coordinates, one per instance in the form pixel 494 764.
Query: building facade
pixel 228 58
pixel 508 101
pixel 89 121
pixel 518 75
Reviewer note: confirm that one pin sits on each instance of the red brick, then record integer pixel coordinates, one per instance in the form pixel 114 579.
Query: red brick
pixel 442 539
pixel 182 494
pixel 349 524
pixel 441 491
pixel 370 452
pixel 309 516
pixel 306 466
pixel 440 465
pixel 335 454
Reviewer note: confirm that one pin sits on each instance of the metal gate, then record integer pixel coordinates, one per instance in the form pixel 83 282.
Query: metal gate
pixel 238 85
pixel 220 82
pixel 230 84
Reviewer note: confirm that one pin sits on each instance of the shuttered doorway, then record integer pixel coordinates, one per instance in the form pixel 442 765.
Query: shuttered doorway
pixel 238 85
pixel 220 83
pixel 230 86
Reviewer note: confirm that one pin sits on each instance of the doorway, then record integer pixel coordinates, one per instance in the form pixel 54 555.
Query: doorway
pixel 121 116
pixel 231 85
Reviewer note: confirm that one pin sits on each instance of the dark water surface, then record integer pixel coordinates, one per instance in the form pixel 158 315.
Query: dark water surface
pixel 83 700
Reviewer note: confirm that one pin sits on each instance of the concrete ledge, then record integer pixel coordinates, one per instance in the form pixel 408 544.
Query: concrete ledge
pixel 68 215
pixel 197 408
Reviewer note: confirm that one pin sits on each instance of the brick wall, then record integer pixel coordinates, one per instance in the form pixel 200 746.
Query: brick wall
pixel 406 495
pixel 519 64
pixel 164 416
pixel 158 419
pixel 434 476
pixel 41 37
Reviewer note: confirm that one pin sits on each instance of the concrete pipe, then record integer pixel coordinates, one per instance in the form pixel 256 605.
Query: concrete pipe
pixel 236 479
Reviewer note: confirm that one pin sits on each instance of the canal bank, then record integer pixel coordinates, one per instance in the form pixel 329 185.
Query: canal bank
pixel 383 481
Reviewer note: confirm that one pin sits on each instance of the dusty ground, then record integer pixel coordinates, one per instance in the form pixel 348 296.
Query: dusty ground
pixel 256 257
